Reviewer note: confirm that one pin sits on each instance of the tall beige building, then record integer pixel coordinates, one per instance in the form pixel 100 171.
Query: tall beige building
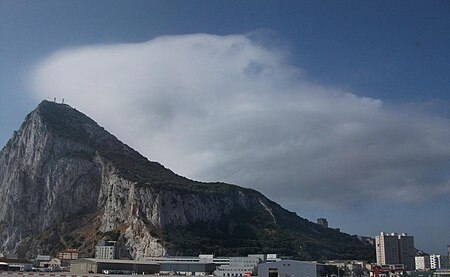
pixel 395 249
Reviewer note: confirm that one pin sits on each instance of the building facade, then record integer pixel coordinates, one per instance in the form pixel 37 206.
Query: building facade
pixel 240 266
pixel 210 258
pixel 289 268
pixel 53 264
pixel 407 251
pixel 387 249
pixel 107 250
pixel 348 267
pixel 422 262
pixel 187 268
pixel 17 264
pixel 439 261
pixel 88 265
pixel 395 249
pixel 3 266
pixel 69 254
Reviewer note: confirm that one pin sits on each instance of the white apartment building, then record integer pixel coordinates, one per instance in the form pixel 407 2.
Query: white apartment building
pixel 439 261
pixel 422 262
pixel 107 250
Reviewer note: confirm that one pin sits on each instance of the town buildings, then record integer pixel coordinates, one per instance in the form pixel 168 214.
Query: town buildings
pixel 52 264
pixel 192 266
pixel 110 266
pixel 348 267
pixel 42 259
pixel 204 258
pixel 15 264
pixel 240 266
pixel 439 261
pixel 69 254
pixel 395 248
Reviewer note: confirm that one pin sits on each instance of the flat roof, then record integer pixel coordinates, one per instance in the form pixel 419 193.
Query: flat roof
pixel 15 261
pixel 107 261
pixel 183 262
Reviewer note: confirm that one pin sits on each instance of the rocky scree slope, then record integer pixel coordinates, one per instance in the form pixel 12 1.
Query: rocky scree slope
pixel 65 182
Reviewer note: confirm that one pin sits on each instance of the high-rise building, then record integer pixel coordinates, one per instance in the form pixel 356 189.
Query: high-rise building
pixel 387 249
pixel 407 251
pixel 395 249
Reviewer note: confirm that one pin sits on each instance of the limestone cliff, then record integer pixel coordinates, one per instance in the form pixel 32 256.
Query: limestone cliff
pixel 67 182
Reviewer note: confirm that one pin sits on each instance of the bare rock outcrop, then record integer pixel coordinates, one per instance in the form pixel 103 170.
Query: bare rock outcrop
pixel 65 182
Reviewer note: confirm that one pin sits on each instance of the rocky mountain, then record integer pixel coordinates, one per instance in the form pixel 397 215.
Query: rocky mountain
pixel 65 182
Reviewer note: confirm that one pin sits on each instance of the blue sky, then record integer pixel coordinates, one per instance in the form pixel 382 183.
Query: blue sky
pixel 393 53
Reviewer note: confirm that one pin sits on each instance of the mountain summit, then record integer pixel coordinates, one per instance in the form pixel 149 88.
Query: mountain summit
pixel 65 182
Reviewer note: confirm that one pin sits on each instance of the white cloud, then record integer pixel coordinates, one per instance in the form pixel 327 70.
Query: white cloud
pixel 226 108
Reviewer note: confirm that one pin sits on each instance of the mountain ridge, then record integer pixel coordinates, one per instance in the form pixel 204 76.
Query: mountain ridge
pixel 61 167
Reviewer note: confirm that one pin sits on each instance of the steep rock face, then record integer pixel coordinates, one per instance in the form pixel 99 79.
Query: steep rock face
pixel 42 181
pixel 66 182
pixel 47 178
pixel 139 207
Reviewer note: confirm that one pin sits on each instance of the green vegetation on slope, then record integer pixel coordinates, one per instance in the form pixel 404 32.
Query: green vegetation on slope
pixel 241 232
pixel 246 231
pixel 74 125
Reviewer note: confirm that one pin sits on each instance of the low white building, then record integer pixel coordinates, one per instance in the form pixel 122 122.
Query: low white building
pixel 240 266
pixel 288 268
pixel 69 254
pixel 351 267
pixel 53 264
pixel 4 266
pixel 438 261
pixel 204 258
pixel 422 262
pixel 17 264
